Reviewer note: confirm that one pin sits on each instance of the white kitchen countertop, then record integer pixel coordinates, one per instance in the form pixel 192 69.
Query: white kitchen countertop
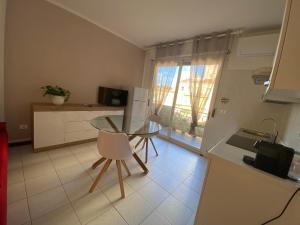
pixel 235 155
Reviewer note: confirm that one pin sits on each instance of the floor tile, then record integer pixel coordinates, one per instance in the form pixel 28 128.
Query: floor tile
pixel 175 211
pixel 64 215
pixel 134 209
pixel 78 188
pixel 192 219
pixel 58 153
pixel 153 193
pixel 38 169
pixel 16 192
pixel 113 192
pixel 137 180
pixel 34 158
pixel 45 202
pixel 71 173
pixel 167 181
pixel 155 219
pixel 79 148
pixel 15 176
pixel 148 199
pixel 111 217
pixel 187 196
pixel 65 161
pixel 109 178
pixel 195 183
pixel 14 162
pixel 87 156
pixel 19 208
pixel 91 206
pixel 43 183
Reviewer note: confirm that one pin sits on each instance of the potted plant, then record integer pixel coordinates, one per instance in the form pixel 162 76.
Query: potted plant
pixel 58 95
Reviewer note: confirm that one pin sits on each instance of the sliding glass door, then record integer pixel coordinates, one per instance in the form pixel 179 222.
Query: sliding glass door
pixel 176 111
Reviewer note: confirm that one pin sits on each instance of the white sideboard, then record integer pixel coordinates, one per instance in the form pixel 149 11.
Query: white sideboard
pixel 56 126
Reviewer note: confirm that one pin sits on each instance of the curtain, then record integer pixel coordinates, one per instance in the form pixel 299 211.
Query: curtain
pixel 164 74
pixel 207 59
pixel 165 70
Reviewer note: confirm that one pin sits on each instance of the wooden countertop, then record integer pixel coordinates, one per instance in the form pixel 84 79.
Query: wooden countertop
pixel 44 107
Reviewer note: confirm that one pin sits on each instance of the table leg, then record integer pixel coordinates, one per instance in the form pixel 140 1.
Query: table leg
pixel 98 162
pixel 140 162
pixel 137 144
pixel 153 146
pixel 146 153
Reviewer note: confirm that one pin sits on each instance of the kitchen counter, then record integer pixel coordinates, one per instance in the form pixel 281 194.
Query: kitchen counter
pixel 235 155
pixel 235 193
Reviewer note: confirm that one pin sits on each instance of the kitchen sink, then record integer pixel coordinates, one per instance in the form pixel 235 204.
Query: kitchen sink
pixel 246 139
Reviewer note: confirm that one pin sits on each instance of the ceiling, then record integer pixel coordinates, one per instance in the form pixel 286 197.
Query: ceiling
pixel 147 22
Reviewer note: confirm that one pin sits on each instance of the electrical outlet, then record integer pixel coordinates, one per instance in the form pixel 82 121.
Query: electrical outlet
pixel 23 126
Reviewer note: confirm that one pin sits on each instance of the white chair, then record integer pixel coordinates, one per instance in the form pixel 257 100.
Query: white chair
pixel 113 146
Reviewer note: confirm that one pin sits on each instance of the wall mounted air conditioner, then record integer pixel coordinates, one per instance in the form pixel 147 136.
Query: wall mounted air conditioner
pixel 260 45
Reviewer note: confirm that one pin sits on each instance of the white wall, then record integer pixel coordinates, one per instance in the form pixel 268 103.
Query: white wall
pixel 245 108
pixel 2 29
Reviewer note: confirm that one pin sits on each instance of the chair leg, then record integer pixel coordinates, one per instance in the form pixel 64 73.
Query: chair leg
pixel 120 178
pixel 153 146
pixel 105 167
pixel 139 142
pixel 98 162
pixel 146 156
pixel 140 162
pixel 126 167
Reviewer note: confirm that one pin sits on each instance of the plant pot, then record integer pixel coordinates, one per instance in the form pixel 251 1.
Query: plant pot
pixel 58 100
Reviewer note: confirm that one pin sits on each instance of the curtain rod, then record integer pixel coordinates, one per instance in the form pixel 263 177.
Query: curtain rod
pixel 187 40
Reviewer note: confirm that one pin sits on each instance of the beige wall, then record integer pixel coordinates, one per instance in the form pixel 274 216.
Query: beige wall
pixel 48 45
pixel 2 28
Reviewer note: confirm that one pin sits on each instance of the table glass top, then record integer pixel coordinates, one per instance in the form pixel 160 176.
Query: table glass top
pixel 114 123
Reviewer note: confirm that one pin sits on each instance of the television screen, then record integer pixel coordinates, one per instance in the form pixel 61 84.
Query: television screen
pixel 112 97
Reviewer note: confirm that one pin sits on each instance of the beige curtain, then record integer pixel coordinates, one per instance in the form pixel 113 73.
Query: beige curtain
pixel 208 56
pixel 162 83
pixel 164 72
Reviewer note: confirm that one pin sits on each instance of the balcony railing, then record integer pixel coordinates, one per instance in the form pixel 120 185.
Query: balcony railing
pixel 182 119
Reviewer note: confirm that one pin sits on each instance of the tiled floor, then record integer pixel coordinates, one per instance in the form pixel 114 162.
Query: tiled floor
pixel 51 188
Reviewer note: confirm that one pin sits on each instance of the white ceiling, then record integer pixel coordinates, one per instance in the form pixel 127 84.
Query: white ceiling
pixel 147 22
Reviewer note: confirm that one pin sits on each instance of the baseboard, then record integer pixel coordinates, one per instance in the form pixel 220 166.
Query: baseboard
pixel 19 142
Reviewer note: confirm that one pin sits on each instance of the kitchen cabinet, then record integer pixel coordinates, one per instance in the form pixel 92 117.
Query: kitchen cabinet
pixel 237 194
pixel 57 126
pixel 284 83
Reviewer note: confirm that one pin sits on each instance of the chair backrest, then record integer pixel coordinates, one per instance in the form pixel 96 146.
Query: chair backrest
pixel 114 145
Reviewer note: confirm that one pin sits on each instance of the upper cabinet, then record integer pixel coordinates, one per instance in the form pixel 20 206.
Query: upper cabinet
pixel 284 83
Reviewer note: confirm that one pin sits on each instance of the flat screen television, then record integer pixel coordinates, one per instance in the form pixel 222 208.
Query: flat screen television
pixel 112 97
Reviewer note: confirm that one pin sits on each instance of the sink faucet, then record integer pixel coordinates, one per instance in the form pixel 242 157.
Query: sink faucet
pixel 275 131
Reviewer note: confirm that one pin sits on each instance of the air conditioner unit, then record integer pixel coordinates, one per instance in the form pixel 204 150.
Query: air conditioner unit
pixel 260 45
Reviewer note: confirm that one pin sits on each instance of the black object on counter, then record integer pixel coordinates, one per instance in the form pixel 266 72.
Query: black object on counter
pixel 273 158
pixel 249 160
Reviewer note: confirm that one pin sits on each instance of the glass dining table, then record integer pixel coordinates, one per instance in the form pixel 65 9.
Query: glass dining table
pixel 133 127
